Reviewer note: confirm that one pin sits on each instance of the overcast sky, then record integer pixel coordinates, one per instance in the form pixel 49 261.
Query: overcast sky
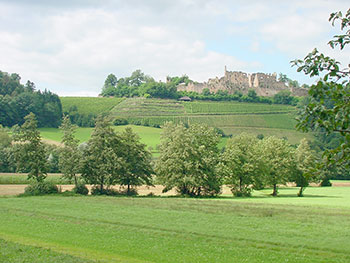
pixel 70 46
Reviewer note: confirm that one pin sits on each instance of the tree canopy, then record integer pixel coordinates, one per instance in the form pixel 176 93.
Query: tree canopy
pixel 17 101
pixel 188 157
pixel 328 107
pixel 239 164
pixel 30 151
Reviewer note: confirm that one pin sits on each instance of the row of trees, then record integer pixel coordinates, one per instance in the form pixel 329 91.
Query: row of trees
pixel 141 85
pixel 17 101
pixel 282 97
pixel 108 158
pixel 191 162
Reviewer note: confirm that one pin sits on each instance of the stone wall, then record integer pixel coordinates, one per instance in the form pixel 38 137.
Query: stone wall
pixel 263 84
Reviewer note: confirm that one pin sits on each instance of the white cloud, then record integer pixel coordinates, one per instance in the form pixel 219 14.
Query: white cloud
pixel 70 47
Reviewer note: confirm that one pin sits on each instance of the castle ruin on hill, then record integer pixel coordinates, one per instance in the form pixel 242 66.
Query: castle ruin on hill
pixel 236 81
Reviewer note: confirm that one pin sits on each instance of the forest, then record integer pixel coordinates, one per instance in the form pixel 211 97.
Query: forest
pixel 18 100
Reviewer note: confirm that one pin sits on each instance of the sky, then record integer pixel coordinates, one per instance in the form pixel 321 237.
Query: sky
pixel 70 46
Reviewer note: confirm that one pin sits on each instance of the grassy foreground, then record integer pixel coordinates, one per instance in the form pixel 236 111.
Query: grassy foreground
pixel 259 229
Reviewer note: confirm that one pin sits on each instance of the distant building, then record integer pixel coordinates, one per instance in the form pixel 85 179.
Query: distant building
pixel 233 81
pixel 185 99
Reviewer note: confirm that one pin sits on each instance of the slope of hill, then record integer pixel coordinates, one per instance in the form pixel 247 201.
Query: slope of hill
pixel 89 105
pixel 232 117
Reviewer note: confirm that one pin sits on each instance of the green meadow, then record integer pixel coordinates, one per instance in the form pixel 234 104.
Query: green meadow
pixel 148 135
pixel 314 228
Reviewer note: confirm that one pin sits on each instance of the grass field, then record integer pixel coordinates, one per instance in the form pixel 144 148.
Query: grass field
pixel 87 105
pixel 149 135
pixel 109 229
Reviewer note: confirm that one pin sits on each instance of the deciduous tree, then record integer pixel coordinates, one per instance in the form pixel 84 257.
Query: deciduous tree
pixel 305 161
pixel 328 107
pixel 30 151
pixel 102 165
pixel 188 157
pixel 277 156
pixel 239 164
pixel 70 157
pixel 137 169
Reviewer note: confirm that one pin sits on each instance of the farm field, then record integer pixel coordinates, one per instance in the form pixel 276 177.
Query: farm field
pixel 258 229
pixel 205 107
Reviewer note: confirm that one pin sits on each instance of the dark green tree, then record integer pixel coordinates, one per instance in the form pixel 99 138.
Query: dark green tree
pixel 70 156
pixel 137 168
pixel 30 151
pixel 102 164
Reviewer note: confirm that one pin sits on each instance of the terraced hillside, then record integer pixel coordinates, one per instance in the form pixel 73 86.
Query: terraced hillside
pixel 232 117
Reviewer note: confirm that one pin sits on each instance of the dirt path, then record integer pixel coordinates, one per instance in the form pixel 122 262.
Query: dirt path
pixel 15 189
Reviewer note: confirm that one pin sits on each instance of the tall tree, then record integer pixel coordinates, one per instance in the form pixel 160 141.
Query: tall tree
pixel 30 151
pixel 137 169
pixel 328 107
pixel 239 164
pixel 70 156
pixel 102 164
pixel 277 157
pixel 305 161
pixel 188 157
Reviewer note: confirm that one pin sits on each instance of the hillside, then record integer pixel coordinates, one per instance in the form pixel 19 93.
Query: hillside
pixel 232 117
pixel 89 105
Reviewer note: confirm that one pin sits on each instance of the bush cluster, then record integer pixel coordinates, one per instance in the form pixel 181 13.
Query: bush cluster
pixel 41 188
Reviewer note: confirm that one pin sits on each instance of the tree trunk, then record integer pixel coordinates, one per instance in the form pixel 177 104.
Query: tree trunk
pixel 240 185
pixel 128 191
pixel 301 190
pixel 75 181
pixel 275 191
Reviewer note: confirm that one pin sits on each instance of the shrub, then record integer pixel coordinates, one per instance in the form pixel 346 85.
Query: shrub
pixel 81 189
pixel 96 190
pixel 41 188
pixel 326 182
pixel 120 121
pixel 244 192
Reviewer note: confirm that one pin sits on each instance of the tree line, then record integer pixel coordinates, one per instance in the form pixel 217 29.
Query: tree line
pixel 190 161
pixel 17 101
